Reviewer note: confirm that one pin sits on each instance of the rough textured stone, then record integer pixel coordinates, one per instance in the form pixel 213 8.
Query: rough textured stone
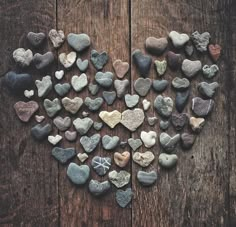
pixel 101 165
pixel 196 123
pixel 181 100
pixel 52 107
pixel 124 197
pixel 78 42
pixel 121 87
pixel 119 179
pixel 156 46
pixel 148 138
pixel 110 118
pixel 208 90
pixel 110 142
pixel 40 132
pixel 54 139
pixel 163 105
pixel 93 89
pixel 90 143
pixel 135 143
pixel 57 37
pixel 187 140
pixel 202 107
pixel 36 39
pixel 67 60
pixel 82 64
pixel 44 86
pixel 59 74
pixel 99 188
pixel 161 67
pixel 78 174
pixel 71 135
pixel 82 157
pixel 121 159
pixel 63 155
pixel 180 84
pixel 215 51
pixel 93 104
pixel 167 142
pixel 210 71
pixel 72 105
pixel 143 159
pixel 131 100
pixel 167 160
pixel 147 178
pixel 42 61
pixel 79 82
pixel 104 79
pixel 99 59
pixel 109 97
pixel 164 125
pixel 121 68
pixel 62 123
pixel 142 86
pixel 82 125
pixel 23 57
pixel 174 60
pixel 178 40
pixel 191 68
pixel 159 85
pixel 146 104
pixel 179 120
pixel 200 41
pixel 62 89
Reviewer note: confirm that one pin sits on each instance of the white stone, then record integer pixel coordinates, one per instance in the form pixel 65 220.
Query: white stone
pixel 148 138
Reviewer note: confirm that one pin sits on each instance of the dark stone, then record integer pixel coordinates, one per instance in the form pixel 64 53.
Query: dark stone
pixel 36 39
pixel 202 107
pixel 187 140
pixel 40 132
pixel 147 178
pixel 124 197
pixel 109 97
pixel 42 61
pixel 179 120
pixel 174 61
pixel 99 188
pixel 159 85
pixel 99 59
pixel 63 155
pixel 93 104
pixel 181 100
pixel 101 165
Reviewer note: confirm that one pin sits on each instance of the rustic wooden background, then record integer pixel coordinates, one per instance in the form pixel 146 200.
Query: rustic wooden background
pixel 200 191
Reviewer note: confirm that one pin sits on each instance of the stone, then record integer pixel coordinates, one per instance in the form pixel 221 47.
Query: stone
pixel 119 179
pixel 174 60
pixel 23 57
pixel 93 88
pixel 101 165
pixel 143 159
pixel 40 132
pixel 44 86
pixel 131 100
pixel 17 83
pixel 179 120
pixel 196 123
pixel 72 105
pixel 178 40
pixel 142 86
pixel 82 125
pixel 104 79
pixel 187 140
pixel 28 93
pixel 152 120
pixel 78 42
pixel 99 60
pixel 121 87
pixel 39 118
pixel 123 144
pixel 85 114
pixel 82 64
pixel 90 143
pixel 124 197
pixel 97 188
pixel 67 60
pixel 120 68
pixel 62 89
pixel 156 46
pixel 63 155
pixel 42 61
pixel 147 178
pixel 79 82
pixel 93 104
pixel 109 97
pixel 167 161
pixel 52 107
pixel 207 90
pixel 163 105
pixel 142 62
pixel 146 104
pixel 200 41
pixel 36 39
pixel 82 157
pixel 110 142
pixel 214 51
pixel 121 159
pixel 210 71
pixel 59 74
pixel 128 116
pixel 202 107
pixel 110 118
pixel 148 138
pixel 57 37
pixel 135 143
pixel 54 139
pixel 189 50
pixel 164 125
pixel 160 85
pixel 161 67
pixel 180 84
pixel 191 68
pixel 169 143
pixel 25 110
pixel 97 125
pixel 62 123
pixel 79 175
pixel 181 100
pixel 71 135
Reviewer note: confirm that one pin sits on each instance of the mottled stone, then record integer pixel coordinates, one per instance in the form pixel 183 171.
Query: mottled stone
pixel 79 82
pixel 131 100
pixel 78 174
pixel 167 160
pixel 99 60
pixel 135 143
pixel 121 68
pixel 187 140
pixel 104 79
pixel 143 159
pixel 181 100
pixel 23 57
pixel 121 159
pixel 200 41
pixel 71 135
pixel 54 139
pixel 101 165
pixel 196 123
pixel 78 42
pixel 82 157
pixel 93 104
pixel 174 60
pixel 178 40
pixel 121 87
pixel 156 46
pixel 62 89
pixel 180 84
pixel 167 142
pixel 57 37
pixel 110 118
pixel 214 51
pixel 82 64
pixel 97 188
pixel 82 125
pixel 152 120
pixel 159 85
pixel 210 71
pixel 148 138
pixel 28 93
pixel 36 39
pixel 109 97
pixel 124 197
pixel 97 125
pixel 119 179
pixel 93 89
pixel 164 125
pixel 59 74
pixel 161 67
pixel 44 86
pixel 142 86
pixel 62 123
pixel 72 105
pixel 90 143
pixel 63 155
pixel 52 107
pixel 110 142
pixel 179 120
pixel 163 105
pixel 202 107
pixel 67 60
pixel 208 90
pixel 40 132
pixel 146 104
pixel 147 178
pixel 42 61
pixel 191 68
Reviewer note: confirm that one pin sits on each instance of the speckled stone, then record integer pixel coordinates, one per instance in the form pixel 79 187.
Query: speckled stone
pixel 174 60
pixel 200 41
pixel 124 197
pixel 97 188
pixel 52 107
pixel 109 97
pixel 164 125
pixel 147 178
pixel 79 82
pixel 152 120
pixel 101 165
pixel 131 100
pixel 180 84
pixel 23 57
pixel 82 64
pixel 163 105
pixel 210 71
pixel 36 39
pixel 57 37
pixel 148 138
pixel 62 89
pixel 99 60
pixel 196 123
pixel 178 40
pixel 67 60
pixel 104 79
pixel 167 161
pixel 143 159
pixel 202 107
pixel 82 125
pixel 179 120
pixel 121 68
pixel 181 100
pixel 135 143
pixel 156 46
pixel 90 143
pixel 119 179
pixel 40 132
pixel 78 42
pixel 54 139
pixel 42 61
pixel 93 104
pixel 62 123
pixel 97 125
pixel 110 142
pixel 79 175
pixel 121 159
pixel 161 67
pixel 121 87
pixel 187 140
pixel 71 135
pixel 159 85
pixel 207 90
pixel 142 86
pixel 110 118
pixel 63 155
pixel 169 143
pixel 191 68
pixel 214 51
pixel 82 157
pixel 44 86
pixel 93 88
pixel 72 105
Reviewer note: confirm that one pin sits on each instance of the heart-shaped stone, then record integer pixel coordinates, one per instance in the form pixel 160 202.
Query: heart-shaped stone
pixel 161 67
pixel 210 71
pixel 90 143
pixel 152 120
pixel 147 178
pixel 121 159
pixel 134 143
pixel 52 107
pixel 97 125
pixel 121 87
pixel 131 100
pixel 79 82
pixel 82 157
pixel 148 138
pixel 110 142
pixel 36 39
pixel 44 86
pixel 28 93
pixel 201 41
pixel 57 37
pixel 180 84
pixel 67 60
pixel 25 110
pixel 23 57
pixel 167 160
pixel 93 104
pixel 101 165
pixel 167 142
pixel 196 123
pixel 72 105
pixel 143 62
pixel 121 68
pixel 202 107
pixel 42 61
pixel 78 174
pixel 54 139
pixel 119 179
pixel 156 46
pixel 99 188
pixel 99 59
pixel 163 105
pixel 40 132
pixel 178 39
pixel 208 90
pixel 142 86
pixel 159 85
pixel 71 135
pixel 104 79
pixel 215 51
pixel 143 159
pixel 82 65
pixel 82 125
pixel 174 60
pixel 164 125
pixel 109 97
pixel 62 89
pixel 39 118
pixel 191 68
pixel 187 140
pixel 146 104
pixel 79 42
pixel 179 120
pixel 128 116
pixel 124 197
pixel 110 118
pixel 62 123
pixel 59 74
pixel 181 100
pixel 189 50
pixel 63 155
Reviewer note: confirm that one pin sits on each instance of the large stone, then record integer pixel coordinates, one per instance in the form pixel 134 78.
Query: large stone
pixel 79 82
pixel 156 46
pixel 163 105
pixel 82 125
pixel 78 42
pixel 104 79
pixel 72 105
pixel 167 142
pixel 40 132
pixel 121 87
pixel 23 57
pixel 119 179
pixel 167 160
pixel 78 174
pixel 124 197
pixel 44 86
pixel 191 68
pixel 110 118
pixel 62 123
pixel 63 155
pixel 43 61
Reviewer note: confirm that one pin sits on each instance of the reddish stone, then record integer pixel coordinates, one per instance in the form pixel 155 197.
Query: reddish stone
pixel 215 51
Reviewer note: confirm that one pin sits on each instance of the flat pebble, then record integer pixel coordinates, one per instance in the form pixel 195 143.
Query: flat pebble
pixel 101 165
pixel 79 82
pixel 62 89
pixel 62 123
pixel 147 178
pixel 23 57
pixel 72 105
pixel 160 85
pixel 174 60
pixel 99 60
pixel 110 118
pixel 90 143
pixel 67 60
pixel 110 142
pixel 97 125
pixel 36 39
pixel 93 104
pixel 210 71
pixel 82 157
pixel 97 188
pixel 200 41
pixel 78 42
pixel 119 179
pixel 93 89
pixel 196 123
pixel 142 86
pixel 82 125
pixel 121 159
pixel 42 61
pixel 82 64
pixel 54 139
pixel 214 51
pixel 187 140
pixel 135 143
pixel 71 135
pixel 156 46
pixel 79 175
pixel 57 37
pixel 109 97
pixel 202 107
pixel 121 87
pixel 167 161
pixel 169 143
pixel 143 159
pixel 178 40
pixel 28 93
pixel 131 100
pixel 40 132
pixel 148 138
pixel 44 86
pixel 161 67
pixel 121 68
pixel 163 105
pixel 179 120
pixel 181 100
pixel 52 107
pixel 124 197
pixel 164 125
pixel 104 79
pixel 207 90
pixel 59 74
pixel 180 84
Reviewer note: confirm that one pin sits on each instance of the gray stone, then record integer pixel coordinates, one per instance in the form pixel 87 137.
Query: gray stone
pixel 189 50
pixel 110 142
pixel 42 61
pixel 159 85
pixel 99 59
pixel 82 125
pixel 121 87
pixel 104 79
pixel 124 197
pixel 62 123
pixel 148 138
pixel 144 159
pixel 179 120
pixel 152 120
pixel 181 100
pixel 191 68
pixel 93 89
pixel 23 57
pixel 167 161
pixel 178 40
pixel 109 97
pixel 119 179
pixel 210 71
pixel 208 90
pixel 187 140
pixel 200 41
pixel 62 89
pixel 101 165
pixel 67 60
pixel 161 67
pixel 52 107
pixel 40 132
pixel 156 46
pixel 82 65
pixel 163 105
pixel 63 155
pixel 202 107
pixel 90 143
pixel 142 86
pixel 180 84
pixel 164 125
pixel 36 39
pixel 72 105
pixel 71 136
pixel 167 142
pixel 99 188
pixel 57 37
pixel 79 82
pixel 131 100
pixel 97 125
pixel 78 174
pixel 147 178
pixel 135 143
pixel 44 86
pixel 93 104
pixel 78 42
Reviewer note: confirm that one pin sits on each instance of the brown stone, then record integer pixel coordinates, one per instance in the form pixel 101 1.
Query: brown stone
pixel 121 159
pixel 156 46
pixel 121 68
pixel 187 140
pixel 196 123
pixel 215 51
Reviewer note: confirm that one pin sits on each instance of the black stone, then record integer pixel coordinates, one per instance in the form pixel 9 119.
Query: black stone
pixel 179 120
pixel 40 132
pixel 63 155
pixel 181 100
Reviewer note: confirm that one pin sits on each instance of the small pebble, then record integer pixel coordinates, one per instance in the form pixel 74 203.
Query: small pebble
pixel 42 61
pixel 167 160
pixel 124 197
pixel 210 71
pixel 93 89
pixel 104 79
pixel 54 139
pixel 200 41
pixel 148 138
pixel 85 114
pixel 121 87
pixel 63 155
pixel 67 60
pixel 36 39
pixel 28 93
pixel 179 120
pixel 79 82
pixel 40 132
pixel 191 68
pixel 82 64
pixel 161 67
pixel 131 100
pixel 143 159
pixel 189 50
pixel 59 74
pixel 121 159
pixel 159 85
pixel 99 60
pixel 93 104
pixel 57 37
pixel 187 140
pixel 163 105
pixel 180 84
pixel 135 143
pixel 44 86
pixel 90 143
pixel 39 118
pixel 110 142
pixel 202 107
pixel 215 51
pixel 23 57
pixel 101 165
pixel 164 125
pixel 52 107
pixel 121 68
pixel 167 142
pixel 156 46
pixel 82 157
pixel 146 104
pixel 71 135
pixel 109 97
pixel 142 86
pixel 181 100
pixel 196 123
pixel 147 178
pixel 72 105
pixel 99 188
pixel 208 90
pixel 97 125
pixel 178 40
pixel 78 42
pixel 110 118
pixel 79 175
pixel 152 120
pixel 62 123
pixel 174 60
pixel 119 179
pixel 82 125
pixel 62 89
pixel 123 144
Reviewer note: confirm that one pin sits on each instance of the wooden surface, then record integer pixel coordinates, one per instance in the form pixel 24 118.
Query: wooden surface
pixel 200 191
